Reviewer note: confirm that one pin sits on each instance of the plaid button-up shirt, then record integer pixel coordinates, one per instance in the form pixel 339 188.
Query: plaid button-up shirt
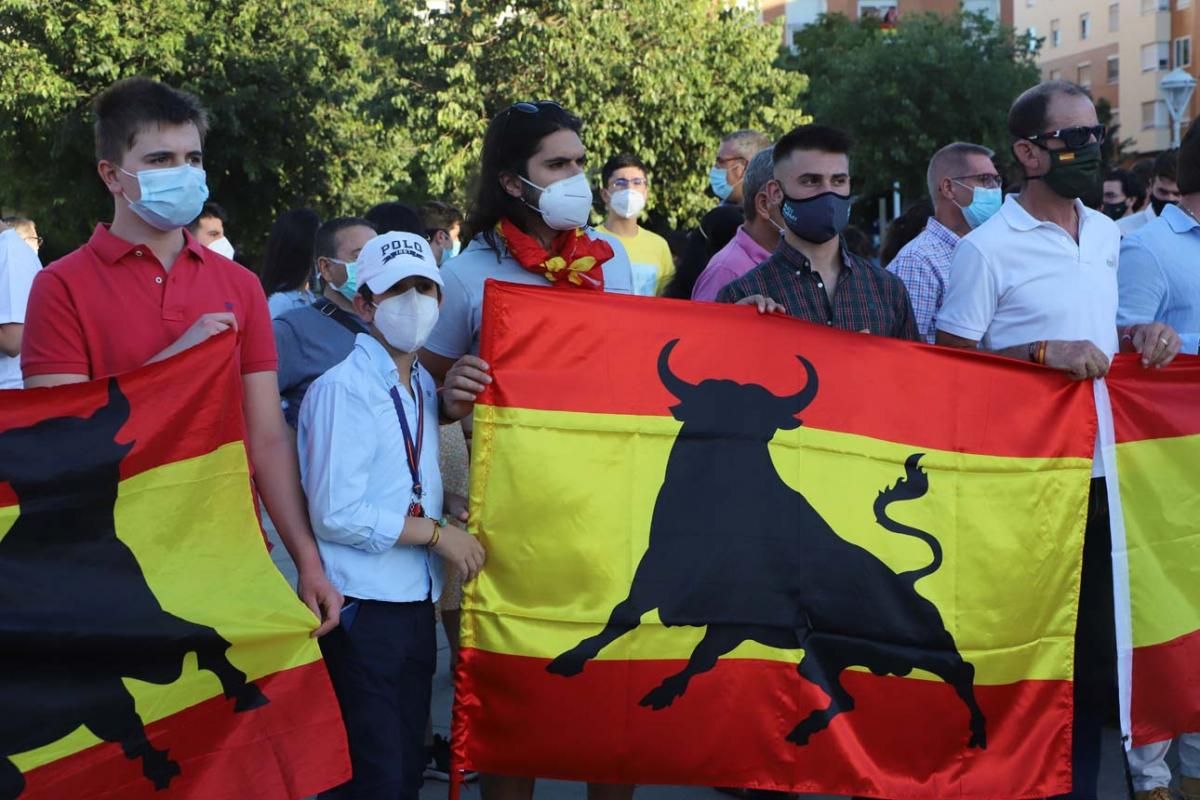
pixel 866 297
pixel 924 266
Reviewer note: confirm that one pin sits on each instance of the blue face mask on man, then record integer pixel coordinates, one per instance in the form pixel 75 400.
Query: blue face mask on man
pixel 170 198
pixel 718 179
pixel 984 203
pixel 350 287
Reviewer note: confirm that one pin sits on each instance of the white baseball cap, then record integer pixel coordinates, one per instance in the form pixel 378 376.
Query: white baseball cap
pixel 391 257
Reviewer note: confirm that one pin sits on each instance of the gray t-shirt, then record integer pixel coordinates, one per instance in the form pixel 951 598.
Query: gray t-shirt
pixel 310 341
pixel 457 330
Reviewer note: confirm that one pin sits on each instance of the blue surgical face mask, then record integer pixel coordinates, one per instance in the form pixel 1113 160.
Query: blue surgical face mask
pixel 984 203
pixel 718 179
pixel 170 198
pixel 448 253
pixel 350 287
pixel 456 249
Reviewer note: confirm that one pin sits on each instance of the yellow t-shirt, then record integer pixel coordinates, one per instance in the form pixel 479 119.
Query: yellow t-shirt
pixel 650 258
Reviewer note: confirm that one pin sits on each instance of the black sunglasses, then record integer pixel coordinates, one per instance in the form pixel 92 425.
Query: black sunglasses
pixel 524 107
pixel 1073 138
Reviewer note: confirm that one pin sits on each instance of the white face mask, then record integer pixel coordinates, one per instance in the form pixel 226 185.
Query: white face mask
pixel 627 203
pixel 565 204
pixel 223 247
pixel 406 320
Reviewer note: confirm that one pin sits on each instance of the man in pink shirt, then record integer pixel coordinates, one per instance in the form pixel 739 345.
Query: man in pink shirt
pixel 754 240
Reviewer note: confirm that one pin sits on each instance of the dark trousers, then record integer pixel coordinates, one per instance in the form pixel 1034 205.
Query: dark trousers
pixel 1095 650
pixel 381 666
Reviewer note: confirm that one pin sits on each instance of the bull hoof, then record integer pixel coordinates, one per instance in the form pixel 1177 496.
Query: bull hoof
pixel 660 697
pixel 250 697
pixel 159 769
pixel 802 733
pixel 978 737
pixel 567 664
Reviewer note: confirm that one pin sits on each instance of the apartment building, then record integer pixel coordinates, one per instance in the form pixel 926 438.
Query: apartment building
pixel 1120 50
pixel 798 13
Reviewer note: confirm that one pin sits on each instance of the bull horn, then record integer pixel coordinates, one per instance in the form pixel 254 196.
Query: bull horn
pixel 799 401
pixel 674 384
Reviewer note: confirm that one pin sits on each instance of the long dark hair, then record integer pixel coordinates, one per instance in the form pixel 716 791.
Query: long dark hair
pixel 288 262
pixel 512 137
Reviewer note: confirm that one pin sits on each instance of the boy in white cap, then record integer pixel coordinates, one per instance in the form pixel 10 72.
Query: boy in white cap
pixel 368 446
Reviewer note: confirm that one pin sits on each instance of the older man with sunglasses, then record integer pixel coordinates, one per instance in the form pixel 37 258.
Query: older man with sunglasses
pixel 1038 282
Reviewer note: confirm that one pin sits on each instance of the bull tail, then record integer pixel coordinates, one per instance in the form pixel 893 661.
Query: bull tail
pixel 912 486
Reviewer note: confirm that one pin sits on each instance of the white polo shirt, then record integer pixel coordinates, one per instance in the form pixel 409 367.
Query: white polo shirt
pixel 1016 279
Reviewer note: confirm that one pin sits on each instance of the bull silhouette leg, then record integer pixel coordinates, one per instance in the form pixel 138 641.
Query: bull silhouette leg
pixel 210 649
pixel 718 640
pixel 626 616
pixel 826 673
pixel 117 721
pixel 12 782
pixel 961 675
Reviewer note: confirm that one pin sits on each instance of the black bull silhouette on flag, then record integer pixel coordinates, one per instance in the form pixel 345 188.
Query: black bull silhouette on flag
pixel 735 550
pixel 79 615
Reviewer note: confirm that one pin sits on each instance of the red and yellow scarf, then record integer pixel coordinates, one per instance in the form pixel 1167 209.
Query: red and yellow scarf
pixel 575 259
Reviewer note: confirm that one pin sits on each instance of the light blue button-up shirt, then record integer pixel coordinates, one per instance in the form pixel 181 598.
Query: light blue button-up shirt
pixel 355 473
pixel 1159 275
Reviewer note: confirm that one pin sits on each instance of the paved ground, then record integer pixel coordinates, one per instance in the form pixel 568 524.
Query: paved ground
pixel 1112 781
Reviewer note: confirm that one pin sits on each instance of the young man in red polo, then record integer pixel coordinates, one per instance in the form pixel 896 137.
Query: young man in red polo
pixel 142 290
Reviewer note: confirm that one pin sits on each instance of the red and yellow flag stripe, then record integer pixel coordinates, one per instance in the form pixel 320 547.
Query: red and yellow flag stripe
pixel 570 448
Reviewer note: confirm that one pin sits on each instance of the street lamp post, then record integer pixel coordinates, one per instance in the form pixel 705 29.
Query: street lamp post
pixel 1177 89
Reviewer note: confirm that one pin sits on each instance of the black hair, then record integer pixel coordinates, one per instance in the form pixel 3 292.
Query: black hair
pixel 209 210
pixel 813 137
pixel 717 227
pixel 287 263
pixel 394 216
pixel 325 243
pixel 129 106
pixel 619 162
pixel 1027 117
pixel 903 229
pixel 1131 185
pixel 1166 165
pixel 512 137
pixel 1188 167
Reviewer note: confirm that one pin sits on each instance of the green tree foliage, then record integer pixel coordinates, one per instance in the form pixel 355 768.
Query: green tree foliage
pixel 287 84
pixel 906 92
pixel 339 104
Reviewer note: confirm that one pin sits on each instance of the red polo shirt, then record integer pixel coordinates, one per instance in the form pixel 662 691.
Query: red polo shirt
pixel 109 307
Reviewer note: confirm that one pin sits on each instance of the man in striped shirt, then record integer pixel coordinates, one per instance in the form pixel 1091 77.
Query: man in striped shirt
pixel 811 273
pixel 965 189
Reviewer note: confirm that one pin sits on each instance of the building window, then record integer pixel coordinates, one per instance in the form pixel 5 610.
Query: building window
pixel 1156 57
pixel 1056 74
pixel 1183 51
pixel 1114 69
pixel 1055 34
pixel 1029 3
pixel 1150 6
pixel 1154 115
pixel 1181 4
pixel 1083 75
pixel 1085 26
pixel 1114 17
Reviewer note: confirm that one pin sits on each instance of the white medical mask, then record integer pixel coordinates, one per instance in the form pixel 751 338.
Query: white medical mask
pixel 170 198
pixel 406 320
pixel 627 203
pixel 222 247
pixel 565 204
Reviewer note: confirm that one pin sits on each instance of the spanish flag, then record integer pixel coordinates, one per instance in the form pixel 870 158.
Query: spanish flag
pixel 729 549
pixel 148 646
pixel 1152 448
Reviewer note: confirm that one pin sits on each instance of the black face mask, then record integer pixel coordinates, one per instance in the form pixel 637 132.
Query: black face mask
pixel 1159 205
pixel 1115 210
pixel 816 219
pixel 1073 174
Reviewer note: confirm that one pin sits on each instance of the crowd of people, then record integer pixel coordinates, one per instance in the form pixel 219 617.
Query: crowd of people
pixel 358 339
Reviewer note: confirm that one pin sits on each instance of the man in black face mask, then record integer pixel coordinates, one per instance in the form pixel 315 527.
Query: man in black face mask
pixel 811 273
pixel 1038 282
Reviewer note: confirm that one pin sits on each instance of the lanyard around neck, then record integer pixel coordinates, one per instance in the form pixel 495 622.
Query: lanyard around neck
pixel 412 449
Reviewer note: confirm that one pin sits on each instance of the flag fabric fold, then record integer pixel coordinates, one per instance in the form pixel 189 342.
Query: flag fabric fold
pixel 150 647
pixel 734 549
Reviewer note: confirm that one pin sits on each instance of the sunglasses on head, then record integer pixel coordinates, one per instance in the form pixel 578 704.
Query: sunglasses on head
pixel 1073 138
pixel 536 107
